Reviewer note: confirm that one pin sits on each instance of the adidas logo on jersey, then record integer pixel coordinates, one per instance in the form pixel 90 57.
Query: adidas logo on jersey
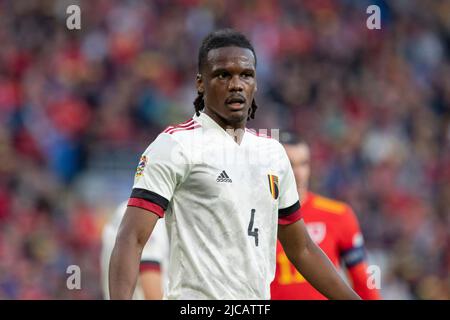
pixel 223 177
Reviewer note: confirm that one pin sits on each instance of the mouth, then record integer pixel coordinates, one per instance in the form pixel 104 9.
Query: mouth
pixel 235 103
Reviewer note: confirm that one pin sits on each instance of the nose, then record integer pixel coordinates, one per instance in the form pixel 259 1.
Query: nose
pixel 235 84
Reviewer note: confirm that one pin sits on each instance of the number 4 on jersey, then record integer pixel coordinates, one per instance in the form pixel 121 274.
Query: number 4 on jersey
pixel 253 232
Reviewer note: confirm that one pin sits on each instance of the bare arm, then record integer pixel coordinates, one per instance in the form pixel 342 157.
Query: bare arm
pixel 312 263
pixel 135 229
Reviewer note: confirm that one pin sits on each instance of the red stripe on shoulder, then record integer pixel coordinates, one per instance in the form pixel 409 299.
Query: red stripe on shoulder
pixel 184 125
pixel 192 127
pixel 187 121
pixel 181 125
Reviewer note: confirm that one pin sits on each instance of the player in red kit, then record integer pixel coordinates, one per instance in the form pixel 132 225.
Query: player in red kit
pixel 332 225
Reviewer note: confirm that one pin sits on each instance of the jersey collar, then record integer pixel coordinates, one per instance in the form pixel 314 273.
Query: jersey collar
pixel 208 123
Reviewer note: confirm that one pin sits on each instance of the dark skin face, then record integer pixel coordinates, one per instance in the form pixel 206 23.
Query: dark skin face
pixel 228 83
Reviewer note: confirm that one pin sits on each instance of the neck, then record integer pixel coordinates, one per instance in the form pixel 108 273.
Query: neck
pixel 234 129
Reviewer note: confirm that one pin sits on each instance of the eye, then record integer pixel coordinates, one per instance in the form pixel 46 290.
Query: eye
pixel 247 75
pixel 222 75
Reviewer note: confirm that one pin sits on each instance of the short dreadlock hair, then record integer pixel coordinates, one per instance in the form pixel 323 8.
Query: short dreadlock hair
pixel 219 39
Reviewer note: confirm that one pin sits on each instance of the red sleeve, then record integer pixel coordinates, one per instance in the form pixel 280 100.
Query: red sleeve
pixel 353 256
pixel 359 276
pixel 350 241
pixel 349 229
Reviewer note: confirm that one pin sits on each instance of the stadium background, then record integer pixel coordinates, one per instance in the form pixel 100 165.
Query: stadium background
pixel 78 107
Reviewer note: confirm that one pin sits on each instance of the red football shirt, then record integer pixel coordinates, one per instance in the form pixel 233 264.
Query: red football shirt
pixel 334 227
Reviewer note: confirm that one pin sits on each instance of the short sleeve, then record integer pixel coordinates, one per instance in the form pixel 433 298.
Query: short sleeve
pixel 351 242
pixel 162 167
pixel 289 205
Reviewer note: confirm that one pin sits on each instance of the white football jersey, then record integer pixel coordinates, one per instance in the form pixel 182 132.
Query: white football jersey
pixel 222 203
pixel 155 253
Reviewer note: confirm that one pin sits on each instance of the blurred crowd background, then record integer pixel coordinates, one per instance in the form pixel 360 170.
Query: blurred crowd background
pixel 78 107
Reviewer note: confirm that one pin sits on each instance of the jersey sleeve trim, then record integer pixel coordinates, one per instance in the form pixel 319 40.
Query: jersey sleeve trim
pixel 290 214
pixel 150 197
pixel 149 265
pixel 146 205
pixel 289 210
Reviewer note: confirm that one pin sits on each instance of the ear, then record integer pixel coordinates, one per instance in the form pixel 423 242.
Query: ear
pixel 199 83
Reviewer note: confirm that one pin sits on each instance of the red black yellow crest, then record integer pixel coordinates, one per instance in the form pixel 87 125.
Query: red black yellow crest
pixel 273 184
